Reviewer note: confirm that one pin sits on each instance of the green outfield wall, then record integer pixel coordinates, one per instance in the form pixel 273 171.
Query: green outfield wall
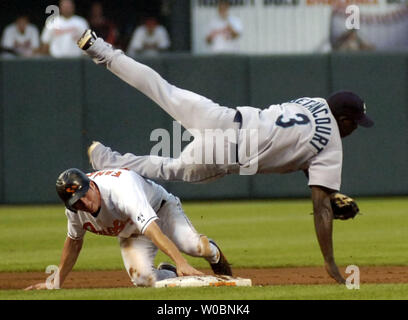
pixel 51 110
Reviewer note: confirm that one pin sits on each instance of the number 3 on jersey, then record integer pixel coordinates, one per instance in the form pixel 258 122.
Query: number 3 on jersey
pixel 300 119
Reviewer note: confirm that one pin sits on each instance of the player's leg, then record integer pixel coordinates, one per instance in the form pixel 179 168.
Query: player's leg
pixel 138 257
pixel 191 109
pixel 176 225
pixel 156 167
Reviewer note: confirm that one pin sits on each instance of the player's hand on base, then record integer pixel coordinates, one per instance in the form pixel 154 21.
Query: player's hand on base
pixel 38 286
pixel 334 272
pixel 186 270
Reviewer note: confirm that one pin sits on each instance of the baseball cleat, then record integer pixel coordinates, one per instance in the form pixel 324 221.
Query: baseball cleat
pixel 87 39
pixel 91 148
pixel 167 266
pixel 222 267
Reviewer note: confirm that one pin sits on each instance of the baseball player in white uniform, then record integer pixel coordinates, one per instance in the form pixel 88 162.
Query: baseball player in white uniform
pixel 58 37
pixel 302 134
pixel 144 217
pixel 224 30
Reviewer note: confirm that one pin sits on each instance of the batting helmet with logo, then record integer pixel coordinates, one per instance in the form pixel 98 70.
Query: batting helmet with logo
pixel 71 186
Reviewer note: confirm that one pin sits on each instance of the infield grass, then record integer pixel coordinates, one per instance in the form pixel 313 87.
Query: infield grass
pixel 251 233
pixel 271 233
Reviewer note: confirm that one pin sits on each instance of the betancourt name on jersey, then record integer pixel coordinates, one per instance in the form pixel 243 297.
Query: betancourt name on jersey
pixel 319 111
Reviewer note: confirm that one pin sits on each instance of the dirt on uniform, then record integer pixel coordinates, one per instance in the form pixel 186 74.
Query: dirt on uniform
pixel 260 277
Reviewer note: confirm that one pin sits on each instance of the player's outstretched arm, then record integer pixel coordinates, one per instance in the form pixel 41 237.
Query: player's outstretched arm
pixel 323 220
pixel 70 254
pixel 154 233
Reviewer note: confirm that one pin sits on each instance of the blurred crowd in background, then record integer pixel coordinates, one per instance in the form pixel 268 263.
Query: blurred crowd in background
pixel 148 33
pixel 58 36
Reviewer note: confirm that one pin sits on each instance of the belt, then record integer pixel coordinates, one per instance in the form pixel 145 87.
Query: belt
pixel 162 204
pixel 237 119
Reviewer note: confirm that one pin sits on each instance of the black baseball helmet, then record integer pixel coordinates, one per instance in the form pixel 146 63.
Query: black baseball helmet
pixel 347 103
pixel 71 186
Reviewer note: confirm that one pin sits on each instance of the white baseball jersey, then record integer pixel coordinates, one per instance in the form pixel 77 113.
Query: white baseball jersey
pixel 23 43
pixel 299 135
pixel 141 37
pixel 222 42
pixel 62 36
pixel 128 205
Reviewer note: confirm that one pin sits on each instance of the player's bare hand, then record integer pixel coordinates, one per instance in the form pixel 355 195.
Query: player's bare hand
pixel 186 270
pixel 38 286
pixel 334 272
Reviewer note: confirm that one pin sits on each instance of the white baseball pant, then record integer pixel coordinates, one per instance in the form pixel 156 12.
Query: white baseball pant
pixel 203 159
pixel 139 252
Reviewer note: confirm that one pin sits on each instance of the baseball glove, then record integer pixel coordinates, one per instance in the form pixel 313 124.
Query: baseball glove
pixel 343 206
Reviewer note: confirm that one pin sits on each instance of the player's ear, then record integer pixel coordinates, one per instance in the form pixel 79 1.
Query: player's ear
pixel 340 120
pixel 94 186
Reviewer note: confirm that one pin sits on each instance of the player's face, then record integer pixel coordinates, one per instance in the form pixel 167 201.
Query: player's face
pixel 67 8
pixel 22 23
pixel 91 201
pixel 223 9
pixel 346 126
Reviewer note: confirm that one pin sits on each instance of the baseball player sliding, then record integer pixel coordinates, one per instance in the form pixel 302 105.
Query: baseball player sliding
pixel 303 134
pixel 144 217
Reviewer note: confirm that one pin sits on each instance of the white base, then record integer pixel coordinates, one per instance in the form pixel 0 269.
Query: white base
pixel 204 281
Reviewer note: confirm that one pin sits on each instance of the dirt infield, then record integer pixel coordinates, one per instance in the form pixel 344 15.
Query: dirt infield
pixel 260 277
